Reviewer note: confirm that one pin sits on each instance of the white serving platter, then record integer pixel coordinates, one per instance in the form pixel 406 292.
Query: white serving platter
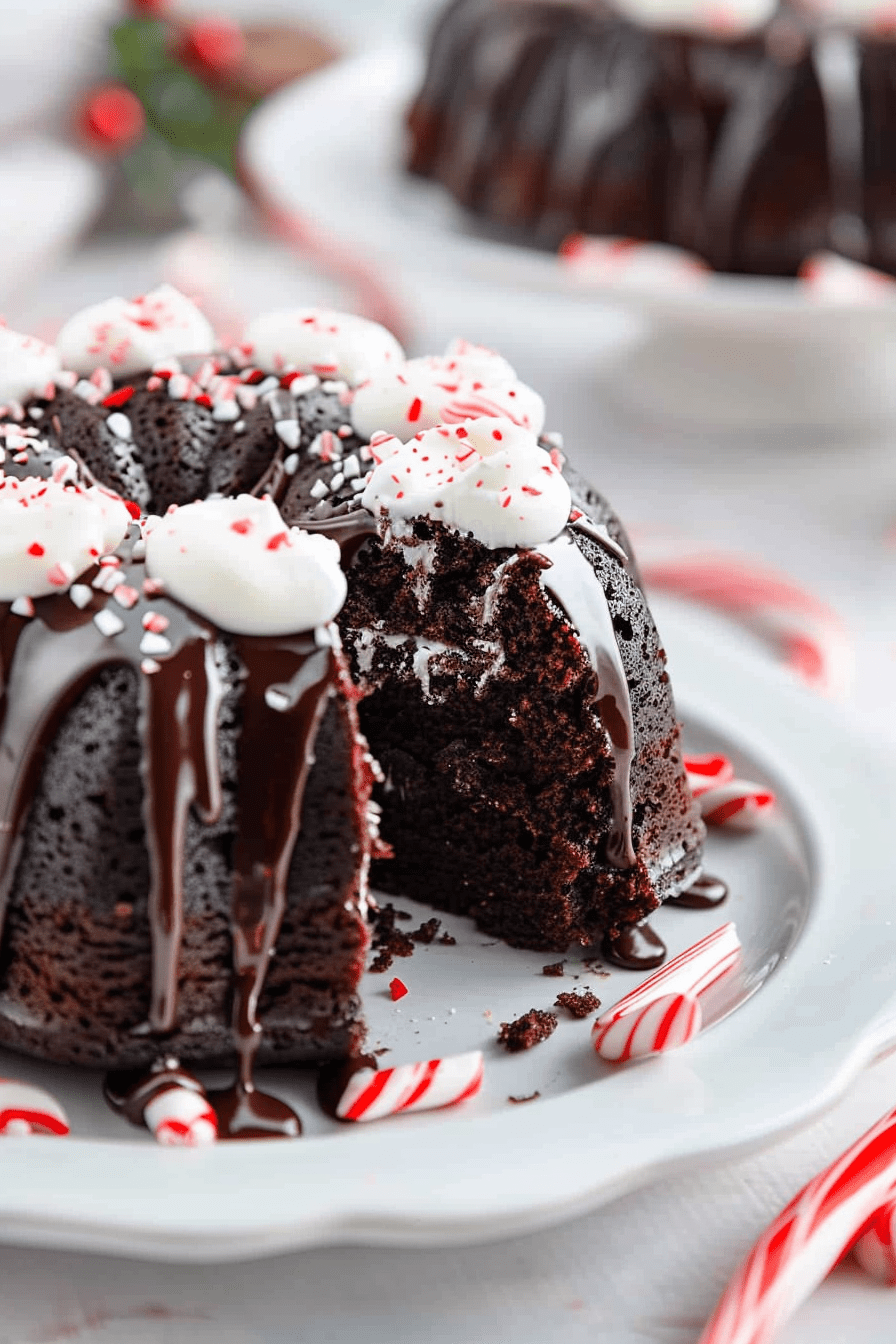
pixel 330 150
pixel 816 910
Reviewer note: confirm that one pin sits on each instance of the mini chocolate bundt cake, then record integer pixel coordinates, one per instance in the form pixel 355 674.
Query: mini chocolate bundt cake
pixel 184 786
pixel 753 142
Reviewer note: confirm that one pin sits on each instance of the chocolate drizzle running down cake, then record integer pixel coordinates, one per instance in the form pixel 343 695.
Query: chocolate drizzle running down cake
pixel 185 815
pixel 754 145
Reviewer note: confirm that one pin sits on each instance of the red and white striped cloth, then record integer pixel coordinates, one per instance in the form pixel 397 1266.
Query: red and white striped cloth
pixel 663 1012
pixel 725 800
pixel 372 1094
pixel 806 1240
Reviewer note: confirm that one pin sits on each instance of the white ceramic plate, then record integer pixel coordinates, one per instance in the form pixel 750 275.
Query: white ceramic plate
pixel 330 149
pixel 815 906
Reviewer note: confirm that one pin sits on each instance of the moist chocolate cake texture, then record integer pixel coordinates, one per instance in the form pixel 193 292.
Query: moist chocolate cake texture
pixel 184 789
pixel 753 145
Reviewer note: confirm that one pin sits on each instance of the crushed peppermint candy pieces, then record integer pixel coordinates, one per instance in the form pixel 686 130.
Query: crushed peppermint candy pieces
pixel 467 383
pixel 52 530
pixel 487 476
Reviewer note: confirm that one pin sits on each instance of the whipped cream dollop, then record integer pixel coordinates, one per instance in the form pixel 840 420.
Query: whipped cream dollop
pixel 465 383
pixel 722 18
pixel 487 476
pixel 27 365
pixel 53 530
pixel 316 340
pixel 128 336
pixel 237 563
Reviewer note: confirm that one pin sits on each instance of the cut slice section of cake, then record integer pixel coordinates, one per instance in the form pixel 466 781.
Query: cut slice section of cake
pixel 515 693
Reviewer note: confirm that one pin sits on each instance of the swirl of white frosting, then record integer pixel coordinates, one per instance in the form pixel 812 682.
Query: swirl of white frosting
pixel 237 563
pixel 27 365
pixel 722 18
pixel 52 530
pixel 316 340
pixel 129 336
pixel 486 476
pixel 466 383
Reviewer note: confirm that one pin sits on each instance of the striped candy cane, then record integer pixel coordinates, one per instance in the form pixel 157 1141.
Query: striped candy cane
pixel 663 1024
pixel 875 1250
pixel 26 1109
pixel 371 1094
pixel 724 800
pixel 806 1240
pixel 691 972
pixel 181 1117
pixel 809 634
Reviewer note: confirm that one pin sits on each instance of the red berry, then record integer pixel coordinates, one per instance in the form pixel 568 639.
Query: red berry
pixel 112 118
pixel 397 988
pixel 214 44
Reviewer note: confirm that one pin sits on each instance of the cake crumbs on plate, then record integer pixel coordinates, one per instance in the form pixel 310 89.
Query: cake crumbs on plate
pixel 388 941
pixel 580 1003
pixel 554 968
pixel 528 1030
pixel 427 931
pixel 519 1101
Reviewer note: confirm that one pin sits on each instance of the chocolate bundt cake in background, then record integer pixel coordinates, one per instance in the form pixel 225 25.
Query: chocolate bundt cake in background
pixel 183 784
pixel 753 145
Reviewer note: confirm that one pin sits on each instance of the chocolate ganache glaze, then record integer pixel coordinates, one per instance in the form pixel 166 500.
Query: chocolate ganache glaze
pixel 46 660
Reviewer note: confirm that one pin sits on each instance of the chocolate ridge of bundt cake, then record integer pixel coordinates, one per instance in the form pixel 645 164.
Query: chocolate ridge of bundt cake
pixel 547 801
pixel 80 950
pixel 754 152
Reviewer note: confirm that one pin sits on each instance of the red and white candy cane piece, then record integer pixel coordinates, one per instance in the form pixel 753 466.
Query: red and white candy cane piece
pixel 806 1240
pixel 690 973
pixel 810 635
pixel 372 1094
pixel 26 1109
pixel 724 800
pixel 739 805
pixel 706 772
pixel 875 1250
pixel 663 1024
pixel 180 1117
